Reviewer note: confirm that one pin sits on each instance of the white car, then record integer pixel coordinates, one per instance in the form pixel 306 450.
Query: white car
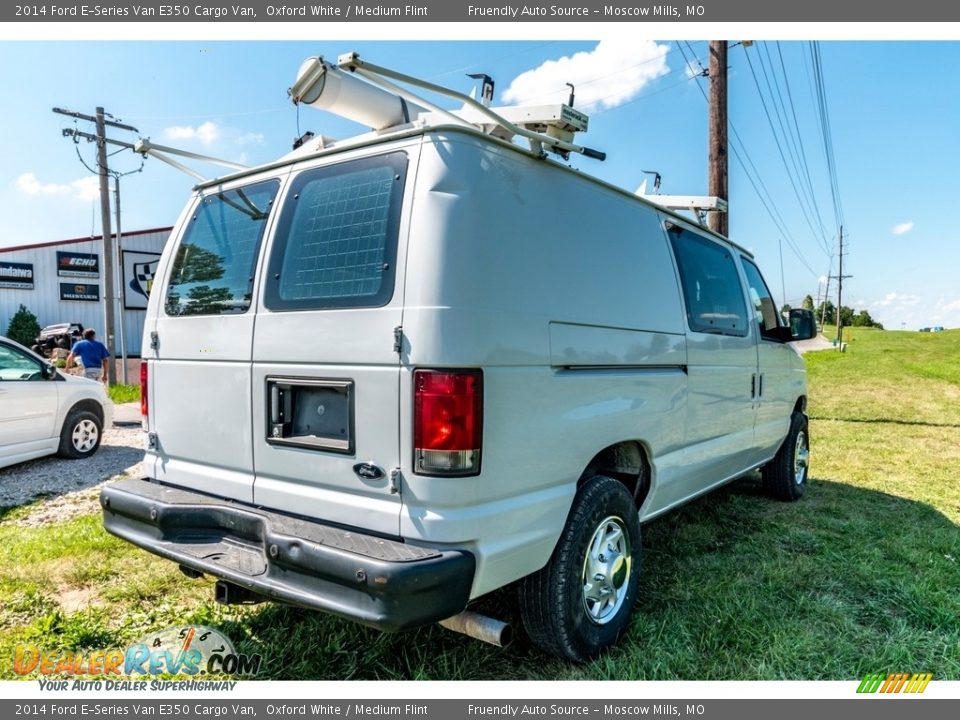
pixel 43 411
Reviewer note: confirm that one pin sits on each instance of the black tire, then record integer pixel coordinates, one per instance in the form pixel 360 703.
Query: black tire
pixel 785 477
pixel 555 603
pixel 80 435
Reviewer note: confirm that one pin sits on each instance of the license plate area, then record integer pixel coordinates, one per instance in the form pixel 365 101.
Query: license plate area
pixel 311 413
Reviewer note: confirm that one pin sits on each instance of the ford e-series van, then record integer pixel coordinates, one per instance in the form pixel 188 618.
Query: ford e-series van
pixel 385 376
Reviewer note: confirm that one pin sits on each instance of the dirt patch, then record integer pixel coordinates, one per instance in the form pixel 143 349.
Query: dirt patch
pixel 73 600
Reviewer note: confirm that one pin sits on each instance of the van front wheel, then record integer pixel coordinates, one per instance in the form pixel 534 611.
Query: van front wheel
pixel 581 602
pixel 785 477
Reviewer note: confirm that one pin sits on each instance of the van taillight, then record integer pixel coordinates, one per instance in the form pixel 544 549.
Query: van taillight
pixel 144 406
pixel 447 421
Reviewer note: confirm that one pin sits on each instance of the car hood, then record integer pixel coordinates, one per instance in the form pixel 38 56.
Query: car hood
pixel 77 378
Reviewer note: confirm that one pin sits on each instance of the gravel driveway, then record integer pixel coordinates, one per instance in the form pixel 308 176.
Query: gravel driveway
pixel 71 485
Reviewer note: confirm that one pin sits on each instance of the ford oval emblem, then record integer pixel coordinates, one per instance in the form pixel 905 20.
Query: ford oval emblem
pixel 368 471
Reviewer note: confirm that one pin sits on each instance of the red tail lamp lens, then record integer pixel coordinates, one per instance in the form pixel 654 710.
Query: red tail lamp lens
pixel 448 421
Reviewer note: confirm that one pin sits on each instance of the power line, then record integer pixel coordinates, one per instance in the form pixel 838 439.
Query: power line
pixel 803 151
pixel 783 158
pixel 827 134
pixel 793 143
pixel 768 203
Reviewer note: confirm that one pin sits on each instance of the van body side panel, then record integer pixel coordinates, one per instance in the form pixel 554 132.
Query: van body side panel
pixel 784 382
pixel 720 418
pixel 574 318
pixel 335 342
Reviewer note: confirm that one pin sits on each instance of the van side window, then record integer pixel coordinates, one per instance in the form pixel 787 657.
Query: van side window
pixel 764 306
pixel 336 242
pixel 711 284
pixel 213 269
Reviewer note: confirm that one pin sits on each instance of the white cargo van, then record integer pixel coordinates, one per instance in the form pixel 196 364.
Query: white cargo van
pixel 387 375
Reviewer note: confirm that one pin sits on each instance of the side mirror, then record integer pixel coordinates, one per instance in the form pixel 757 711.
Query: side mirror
pixel 803 324
pixel 49 371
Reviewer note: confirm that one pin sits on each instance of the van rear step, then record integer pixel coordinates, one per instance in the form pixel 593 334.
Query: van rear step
pixel 388 584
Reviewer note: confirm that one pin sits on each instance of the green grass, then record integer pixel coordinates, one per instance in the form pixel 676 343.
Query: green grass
pixel 124 393
pixel 862 575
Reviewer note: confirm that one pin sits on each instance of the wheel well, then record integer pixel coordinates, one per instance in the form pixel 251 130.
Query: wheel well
pixel 626 462
pixel 801 405
pixel 91 405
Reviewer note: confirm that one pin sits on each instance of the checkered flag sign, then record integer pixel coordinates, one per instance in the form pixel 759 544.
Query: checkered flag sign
pixel 143 273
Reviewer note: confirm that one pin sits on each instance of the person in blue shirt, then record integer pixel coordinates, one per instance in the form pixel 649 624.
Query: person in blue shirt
pixel 93 356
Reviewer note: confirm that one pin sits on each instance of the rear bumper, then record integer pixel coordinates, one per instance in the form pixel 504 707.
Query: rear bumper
pixel 380 582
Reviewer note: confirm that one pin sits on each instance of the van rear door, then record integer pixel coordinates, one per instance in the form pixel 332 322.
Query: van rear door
pixel 326 366
pixel 199 361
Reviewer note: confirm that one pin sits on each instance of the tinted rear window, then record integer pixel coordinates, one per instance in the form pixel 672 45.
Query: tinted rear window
pixel 336 242
pixel 213 269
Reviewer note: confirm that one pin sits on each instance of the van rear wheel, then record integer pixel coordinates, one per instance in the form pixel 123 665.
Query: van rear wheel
pixel 581 602
pixel 785 477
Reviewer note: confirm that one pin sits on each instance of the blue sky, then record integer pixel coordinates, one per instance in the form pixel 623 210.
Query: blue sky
pixel 894 110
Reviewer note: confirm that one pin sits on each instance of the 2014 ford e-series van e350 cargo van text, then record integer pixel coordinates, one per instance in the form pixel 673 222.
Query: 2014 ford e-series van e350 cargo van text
pixel 386 375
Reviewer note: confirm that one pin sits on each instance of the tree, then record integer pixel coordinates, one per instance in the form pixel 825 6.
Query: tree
pixel 827 313
pixel 807 303
pixel 846 316
pixel 23 327
pixel 863 319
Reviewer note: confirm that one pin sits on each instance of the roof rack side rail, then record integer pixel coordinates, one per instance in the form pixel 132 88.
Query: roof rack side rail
pixel 379 75
pixel 160 152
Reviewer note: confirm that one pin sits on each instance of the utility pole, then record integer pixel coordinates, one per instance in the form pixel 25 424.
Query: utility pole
pixel 826 296
pixel 717 122
pixel 119 270
pixel 840 278
pixel 107 246
pixel 103 171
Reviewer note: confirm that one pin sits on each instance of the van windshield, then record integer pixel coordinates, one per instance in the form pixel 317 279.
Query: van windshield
pixel 212 271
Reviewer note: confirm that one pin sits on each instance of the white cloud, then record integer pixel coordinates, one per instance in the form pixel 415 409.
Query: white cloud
pixel 206 132
pixel 86 188
pixel 250 138
pixel 28 183
pixel 605 77
pixel 894 299
pixel 902 228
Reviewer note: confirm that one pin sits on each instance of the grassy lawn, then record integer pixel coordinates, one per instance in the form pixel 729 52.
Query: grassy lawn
pixel 124 393
pixel 860 576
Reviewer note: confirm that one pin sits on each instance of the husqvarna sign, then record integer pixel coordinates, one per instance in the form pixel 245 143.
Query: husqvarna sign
pixel 73 264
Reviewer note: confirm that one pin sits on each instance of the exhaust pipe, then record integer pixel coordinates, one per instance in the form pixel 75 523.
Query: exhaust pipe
pixel 480 627
pixel 226 593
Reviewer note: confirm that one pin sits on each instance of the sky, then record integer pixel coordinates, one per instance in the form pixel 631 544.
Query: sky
pixel 893 111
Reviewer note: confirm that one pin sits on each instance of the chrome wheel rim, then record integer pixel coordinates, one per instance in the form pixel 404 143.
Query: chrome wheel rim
pixel 606 570
pixel 801 458
pixel 85 435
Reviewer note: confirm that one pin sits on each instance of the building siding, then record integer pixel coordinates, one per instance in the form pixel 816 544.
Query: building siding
pixel 44 299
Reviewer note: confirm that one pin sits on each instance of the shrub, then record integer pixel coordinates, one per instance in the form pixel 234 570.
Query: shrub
pixel 23 327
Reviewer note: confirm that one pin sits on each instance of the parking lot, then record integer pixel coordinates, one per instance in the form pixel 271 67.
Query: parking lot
pixel 71 485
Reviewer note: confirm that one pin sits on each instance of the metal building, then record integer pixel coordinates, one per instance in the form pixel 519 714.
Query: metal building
pixel 63 281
